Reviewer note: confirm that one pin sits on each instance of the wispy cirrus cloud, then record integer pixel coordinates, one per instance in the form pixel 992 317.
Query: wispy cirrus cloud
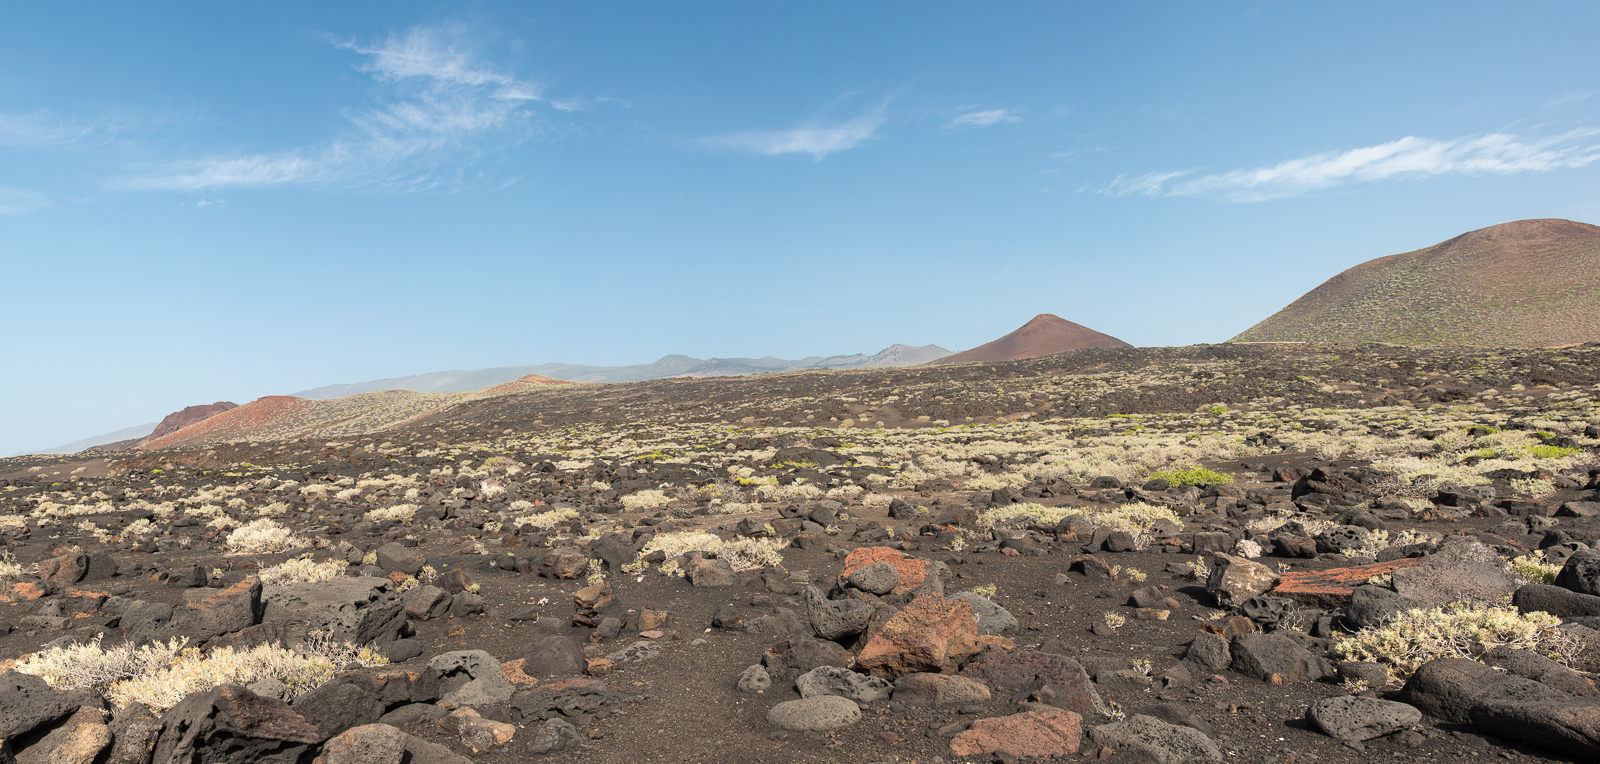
pixel 15 201
pixel 1409 157
pixel 436 105
pixel 985 118
pixel 816 138
pixel 43 128
pixel 1571 97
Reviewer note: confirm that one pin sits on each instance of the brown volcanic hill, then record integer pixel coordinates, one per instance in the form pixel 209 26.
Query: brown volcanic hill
pixel 189 415
pixel 1045 334
pixel 282 417
pixel 173 422
pixel 1531 283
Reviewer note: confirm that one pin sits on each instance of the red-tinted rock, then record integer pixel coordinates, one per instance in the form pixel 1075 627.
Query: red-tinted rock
pixel 931 634
pixel 65 569
pixel 30 590
pixel 912 571
pixel 1035 733
pixel 1048 678
pixel 1327 589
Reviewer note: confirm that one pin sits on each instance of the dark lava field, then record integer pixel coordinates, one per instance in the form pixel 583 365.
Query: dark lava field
pixel 1243 553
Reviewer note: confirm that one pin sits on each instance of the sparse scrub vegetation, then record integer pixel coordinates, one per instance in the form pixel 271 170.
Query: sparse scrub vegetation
pixel 262 536
pixel 303 570
pixel 1458 630
pixel 400 513
pixel 1037 435
pixel 1192 476
pixel 301 670
pixel 546 521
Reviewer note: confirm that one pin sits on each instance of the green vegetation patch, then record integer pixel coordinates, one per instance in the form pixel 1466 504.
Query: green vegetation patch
pixel 1192 476
pixel 1550 452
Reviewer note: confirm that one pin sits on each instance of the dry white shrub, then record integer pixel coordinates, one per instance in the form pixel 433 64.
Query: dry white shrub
pixel 301 670
pixel 644 500
pixel 262 536
pixel 89 667
pixel 546 520
pixel 303 570
pixel 399 512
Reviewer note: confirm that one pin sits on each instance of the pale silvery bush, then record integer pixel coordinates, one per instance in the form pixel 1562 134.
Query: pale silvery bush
pixel 262 536
pixel 399 512
pixel 674 544
pixel 303 570
pixel 300 670
pixel 546 520
pixel 87 666
pixel 1456 630
pixel 753 554
pixel 644 500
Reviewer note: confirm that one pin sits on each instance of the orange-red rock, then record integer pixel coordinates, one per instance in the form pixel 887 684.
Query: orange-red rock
pixel 30 590
pixel 912 571
pixel 1326 589
pixel 512 671
pixel 65 569
pixel 1035 733
pixel 931 634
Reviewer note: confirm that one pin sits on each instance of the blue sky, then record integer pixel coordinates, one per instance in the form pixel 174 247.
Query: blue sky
pixel 222 201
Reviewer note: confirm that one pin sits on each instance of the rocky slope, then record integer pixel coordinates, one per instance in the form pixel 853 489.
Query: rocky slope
pixel 1043 335
pixel 189 415
pixel 171 423
pixel 1531 283
pixel 569 578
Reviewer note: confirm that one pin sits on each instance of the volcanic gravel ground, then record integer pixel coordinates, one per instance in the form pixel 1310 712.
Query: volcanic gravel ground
pixel 684 705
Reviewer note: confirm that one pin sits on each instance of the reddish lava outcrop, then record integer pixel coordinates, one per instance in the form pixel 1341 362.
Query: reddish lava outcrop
pixel 1332 588
pixel 190 415
pixel 1048 732
pixel 912 571
pixel 930 634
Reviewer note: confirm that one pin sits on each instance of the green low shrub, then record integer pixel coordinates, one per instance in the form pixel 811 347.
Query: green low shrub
pixel 1192 476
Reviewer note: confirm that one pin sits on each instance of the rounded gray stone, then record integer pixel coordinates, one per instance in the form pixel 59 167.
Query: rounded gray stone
pixel 823 712
pixel 1352 717
pixel 880 577
pixel 834 619
pixel 835 680
pixel 1157 740
pixel 992 618
pixel 754 679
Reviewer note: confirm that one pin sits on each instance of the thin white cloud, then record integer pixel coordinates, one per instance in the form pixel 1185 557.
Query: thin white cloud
pixel 437 103
pixel 1574 96
pixel 816 139
pixel 41 128
pixel 15 201
pixel 987 118
pixel 1409 157
pixel 1073 155
pixel 579 104
pixel 429 56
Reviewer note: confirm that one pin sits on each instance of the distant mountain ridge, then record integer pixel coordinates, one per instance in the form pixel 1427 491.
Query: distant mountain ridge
pixel 1044 334
pixel 127 434
pixel 668 366
pixel 1529 283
